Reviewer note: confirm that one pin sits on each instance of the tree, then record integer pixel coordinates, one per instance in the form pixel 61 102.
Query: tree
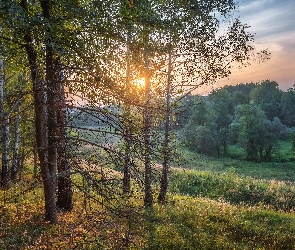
pixel 219 117
pixel 4 117
pixel 11 96
pixel 199 138
pixel 287 103
pixel 31 26
pixel 197 47
pixel 252 131
pixel 267 95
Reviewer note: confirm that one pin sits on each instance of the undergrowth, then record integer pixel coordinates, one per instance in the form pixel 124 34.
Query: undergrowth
pixel 185 222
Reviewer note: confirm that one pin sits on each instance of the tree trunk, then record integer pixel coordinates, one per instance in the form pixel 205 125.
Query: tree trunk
pixel 224 146
pixel 41 126
pixel 51 88
pixel 5 153
pixel 164 176
pixel 4 118
pixel 148 196
pixel 15 160
pixel 126 114
pixel 64 182
pixel 268 153
pixel 57 157
pixel 35 159
pixel 127 162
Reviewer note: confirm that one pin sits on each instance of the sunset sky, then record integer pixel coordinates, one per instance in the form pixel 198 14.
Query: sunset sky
pixel 273 25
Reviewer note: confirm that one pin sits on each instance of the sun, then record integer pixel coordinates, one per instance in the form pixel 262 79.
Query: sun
pixel 140 82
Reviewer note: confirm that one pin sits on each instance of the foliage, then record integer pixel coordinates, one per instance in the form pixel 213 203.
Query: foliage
pixel 287 111
pixel 250 116
pixel 267 96
pixel 199 138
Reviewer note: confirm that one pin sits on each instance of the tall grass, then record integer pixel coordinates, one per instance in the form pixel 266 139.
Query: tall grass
pixel 195 223
pixel 263 170
pixel 278 195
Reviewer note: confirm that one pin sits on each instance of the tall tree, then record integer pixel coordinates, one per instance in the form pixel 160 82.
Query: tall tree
pixel 47 173
pixel 287 103
pixel 4 117
pixel 252 131
pixel 219 117
pixel 267 95
pixel 202 56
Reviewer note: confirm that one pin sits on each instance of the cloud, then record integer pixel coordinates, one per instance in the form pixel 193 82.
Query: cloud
pixel 273 23
pixel 268 18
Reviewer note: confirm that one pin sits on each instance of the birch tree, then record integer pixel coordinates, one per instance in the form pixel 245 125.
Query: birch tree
pixel 4 117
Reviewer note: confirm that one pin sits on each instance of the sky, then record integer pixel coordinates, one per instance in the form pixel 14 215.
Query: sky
pixel 273 25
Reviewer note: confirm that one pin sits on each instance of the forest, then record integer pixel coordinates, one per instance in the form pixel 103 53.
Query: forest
pixel 252 117
pixel 104 144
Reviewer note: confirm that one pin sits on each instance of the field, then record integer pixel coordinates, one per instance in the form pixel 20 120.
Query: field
pixel 212 204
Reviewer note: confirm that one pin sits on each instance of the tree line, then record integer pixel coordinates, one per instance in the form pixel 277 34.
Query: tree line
pixel 254 116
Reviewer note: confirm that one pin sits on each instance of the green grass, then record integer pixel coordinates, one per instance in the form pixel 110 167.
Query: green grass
pixel 264 170
pixel 195 223
pixel 232 188
pixel 212 204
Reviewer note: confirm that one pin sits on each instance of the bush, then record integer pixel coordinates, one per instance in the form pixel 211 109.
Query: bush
pixel 199 138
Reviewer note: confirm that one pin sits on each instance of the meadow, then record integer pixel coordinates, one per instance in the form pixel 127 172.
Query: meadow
pixel 212 204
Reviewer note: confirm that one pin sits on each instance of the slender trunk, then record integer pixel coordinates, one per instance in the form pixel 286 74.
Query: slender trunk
pixel 64 182
pixel 5 152
pixel 218 150
pixel 15 160
pixel 148 196
pixel 224 147
pixel 127 163
pixel 126 114
pixel 41 126
pixel 57 157
pixel 164 177
pixel 4 118
pixel 268 153
pixel 261 153
pixel 35 159
pixel 51 96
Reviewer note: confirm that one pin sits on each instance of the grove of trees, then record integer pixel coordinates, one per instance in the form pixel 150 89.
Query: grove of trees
pixel 67 61
pixel 254 117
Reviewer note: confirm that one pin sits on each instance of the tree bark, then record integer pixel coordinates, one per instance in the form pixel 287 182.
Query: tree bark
pixel 126 117
pixel 57 157
pixel 41 126
pixel 64 182
pixel 5 154
pixel 166 156
pixel 148 196
pixel 15 160
pixel 4 118
pixel 35 159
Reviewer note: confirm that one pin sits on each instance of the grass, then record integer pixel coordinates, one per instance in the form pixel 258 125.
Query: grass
pixel 278 195
pixel 184 223
pixel 284 171
pixel 88 226
pixel 212 204
pixel 195 223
